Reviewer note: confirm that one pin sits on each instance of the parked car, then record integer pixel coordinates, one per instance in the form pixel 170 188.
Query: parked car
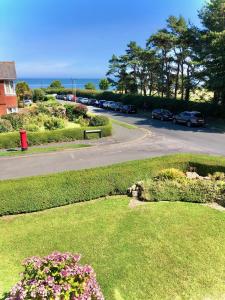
pixel 100 103
pixel 84 101
pixel 61 97
pixel 71 97
pixel 79 99
pixel 162 114
pixel 93 102
pixel 107 104
pixel 189 118
pixel 27 102
pixel 117 106
pixel 111 104
pixel 129 109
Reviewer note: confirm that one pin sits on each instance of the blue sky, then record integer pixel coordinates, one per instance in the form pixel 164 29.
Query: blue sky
pixel 76 38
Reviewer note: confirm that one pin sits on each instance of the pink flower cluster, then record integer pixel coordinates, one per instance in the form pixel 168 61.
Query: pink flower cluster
pixel 56 276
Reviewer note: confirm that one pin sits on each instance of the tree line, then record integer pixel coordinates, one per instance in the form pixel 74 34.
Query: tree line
pixel 177 59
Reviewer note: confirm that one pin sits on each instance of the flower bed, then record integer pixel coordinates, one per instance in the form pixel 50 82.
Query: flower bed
pixel 49 122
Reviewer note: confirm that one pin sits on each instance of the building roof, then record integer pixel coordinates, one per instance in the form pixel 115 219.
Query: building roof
pixel 7 70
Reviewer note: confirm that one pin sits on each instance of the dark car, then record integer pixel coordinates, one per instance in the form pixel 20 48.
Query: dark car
pixel 117 106
pixel 189 118
pixel 162 114
pixel 93 102
pixel 129 109
pixel 100 103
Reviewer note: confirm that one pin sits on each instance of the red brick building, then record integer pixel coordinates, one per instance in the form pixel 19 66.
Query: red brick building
pixel 8 99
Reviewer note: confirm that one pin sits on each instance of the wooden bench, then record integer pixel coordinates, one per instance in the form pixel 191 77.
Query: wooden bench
pixel 86 132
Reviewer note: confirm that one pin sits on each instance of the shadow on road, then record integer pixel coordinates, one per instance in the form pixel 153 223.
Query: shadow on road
pixel 144 119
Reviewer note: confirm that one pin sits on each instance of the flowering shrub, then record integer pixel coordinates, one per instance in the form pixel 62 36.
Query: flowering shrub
pixel 57 276
pixel 75 111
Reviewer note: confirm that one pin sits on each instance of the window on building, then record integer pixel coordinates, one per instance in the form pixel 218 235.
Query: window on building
pixel 9 87
pixel 11 110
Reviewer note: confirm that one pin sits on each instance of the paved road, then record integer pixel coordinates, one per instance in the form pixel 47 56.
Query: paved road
pixel 126 145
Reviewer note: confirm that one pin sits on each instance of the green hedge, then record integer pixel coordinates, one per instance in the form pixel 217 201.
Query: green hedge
pixel 42 192
pixel 12 139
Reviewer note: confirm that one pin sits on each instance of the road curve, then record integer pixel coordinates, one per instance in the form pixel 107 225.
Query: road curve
pixel 154 138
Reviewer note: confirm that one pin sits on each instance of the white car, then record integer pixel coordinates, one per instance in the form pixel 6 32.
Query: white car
pixel 27 102
pixel 84 100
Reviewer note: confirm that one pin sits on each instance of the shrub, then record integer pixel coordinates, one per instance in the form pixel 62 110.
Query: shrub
pixel 58 111
pixel 38 95
pixel 82 121
pixel 90 86
pixel 218 176
pixel 53 123
pixel 200 191
pixel 73 112
pixel 170 174
pixel 57 276
pixel 17 120
pixel 32 127
pixel 99 121
pixel 5 126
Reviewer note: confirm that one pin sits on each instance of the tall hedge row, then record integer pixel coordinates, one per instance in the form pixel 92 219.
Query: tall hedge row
pixel 12 139
pixel 42 192
pixel 207 108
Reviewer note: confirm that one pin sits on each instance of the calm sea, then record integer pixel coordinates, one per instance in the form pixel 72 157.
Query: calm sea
pixel 67 83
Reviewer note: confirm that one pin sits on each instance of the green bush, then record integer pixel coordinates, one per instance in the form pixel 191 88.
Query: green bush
pixel 84 122
pixel 38 95
pixel 17 120
pixel 217 176
pixel 12 139
pixel 42 192
pixel 54 123
pixel 171 174
pixel 99 121
pixel 201 191
pixel 32 127
pixel 73 112
pixel 5 126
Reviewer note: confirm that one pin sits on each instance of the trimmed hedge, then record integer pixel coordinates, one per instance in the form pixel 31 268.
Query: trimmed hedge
pixel 151 102
pixel 42 192
pixel 12 139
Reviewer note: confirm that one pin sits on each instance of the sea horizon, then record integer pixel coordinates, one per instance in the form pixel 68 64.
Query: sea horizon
pixel 38 82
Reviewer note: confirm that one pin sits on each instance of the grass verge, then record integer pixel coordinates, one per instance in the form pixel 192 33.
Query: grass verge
pixel 42 192
pixel 155 251
pixel 34 150
pixel 123 124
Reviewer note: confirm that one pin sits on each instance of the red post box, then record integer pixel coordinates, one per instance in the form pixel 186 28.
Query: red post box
pixel 23 140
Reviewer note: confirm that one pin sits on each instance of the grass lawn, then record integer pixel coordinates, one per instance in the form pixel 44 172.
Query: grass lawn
pixel 155 251
pixel 34 150
pixel 123 124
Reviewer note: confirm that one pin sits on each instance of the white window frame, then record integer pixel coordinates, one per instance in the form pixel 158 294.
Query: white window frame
pixel 9 88
pixel 11 110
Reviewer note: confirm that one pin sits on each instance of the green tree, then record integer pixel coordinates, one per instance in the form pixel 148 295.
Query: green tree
pixel 22 90
pixel 104 84
pixel 56 84
pixel 90 86
pixel 38 95
pixel 213 47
